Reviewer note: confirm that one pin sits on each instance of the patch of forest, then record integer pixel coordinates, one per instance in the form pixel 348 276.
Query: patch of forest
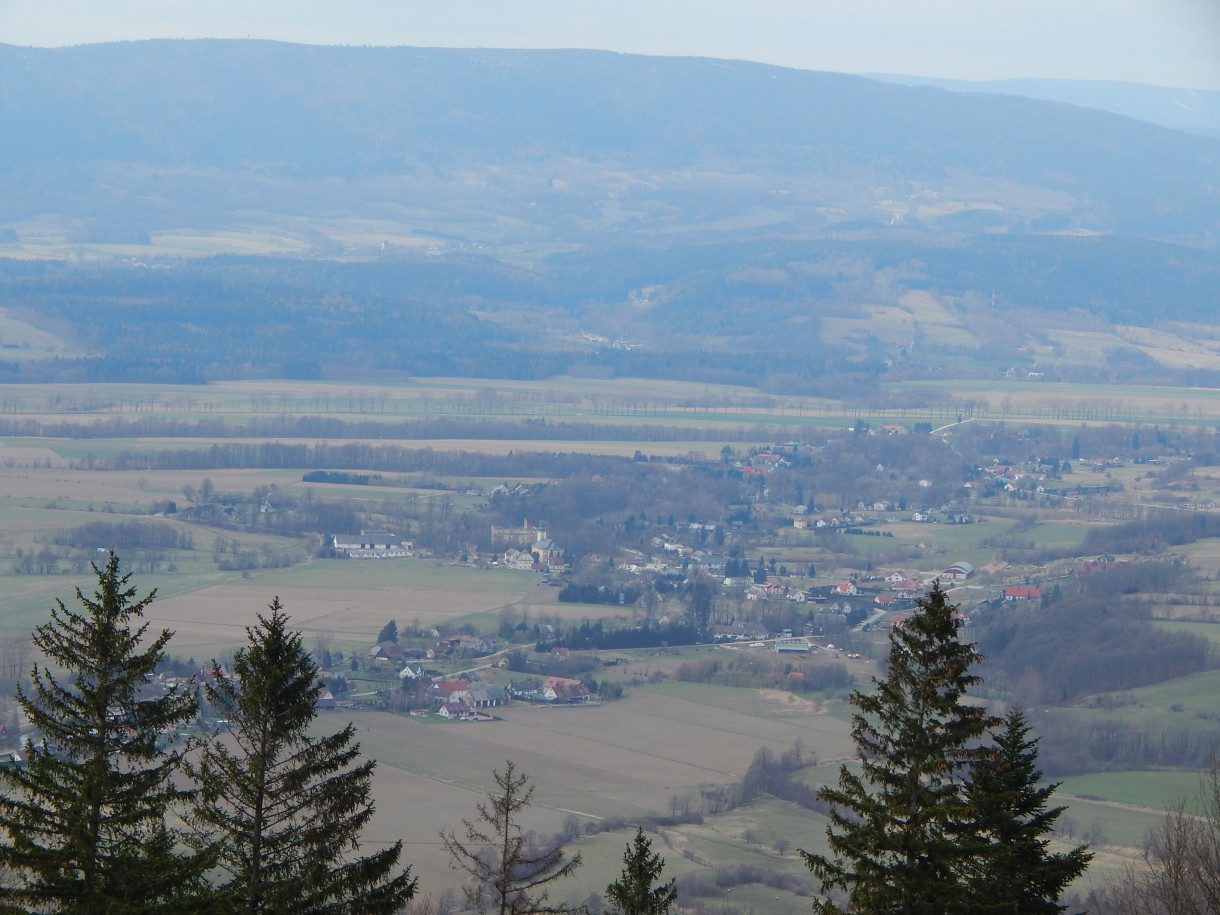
pixel 769 671
pixel 1093 634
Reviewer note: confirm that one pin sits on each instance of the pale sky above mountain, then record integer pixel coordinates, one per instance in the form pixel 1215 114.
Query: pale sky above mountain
pixel 1165 42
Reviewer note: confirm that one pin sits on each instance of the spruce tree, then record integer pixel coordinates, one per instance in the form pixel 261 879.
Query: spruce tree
pixel 388 633
pixel 285 808
pixel 900 827
pixel 1015 872
pixel 85 816
pixel 636 891
pixel 509 874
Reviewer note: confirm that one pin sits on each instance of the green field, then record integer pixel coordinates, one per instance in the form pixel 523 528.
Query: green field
pixel 1209 631
pixel 1198 693
pixel 1156 790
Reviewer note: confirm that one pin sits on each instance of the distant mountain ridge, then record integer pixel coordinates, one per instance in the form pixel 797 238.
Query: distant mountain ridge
pixel 156 134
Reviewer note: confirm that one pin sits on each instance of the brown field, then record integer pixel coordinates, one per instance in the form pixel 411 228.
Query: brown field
pixel 216 617
pixel 622 759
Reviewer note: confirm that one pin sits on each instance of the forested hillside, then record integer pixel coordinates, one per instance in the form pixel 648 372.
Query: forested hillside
pixel 791 316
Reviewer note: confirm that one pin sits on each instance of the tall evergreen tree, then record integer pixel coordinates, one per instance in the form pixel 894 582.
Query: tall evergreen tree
pixel 388 633
pixel 288 808
pixel 1015 873
pixel 900 827
pixel 85 817
pixel 509 874
pixel 636 891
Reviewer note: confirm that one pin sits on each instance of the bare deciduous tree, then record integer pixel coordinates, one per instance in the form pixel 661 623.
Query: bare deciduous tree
pixel 510 873
pixel 1179 870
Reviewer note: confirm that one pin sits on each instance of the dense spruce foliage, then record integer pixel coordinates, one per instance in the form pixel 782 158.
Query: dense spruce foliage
pixel 284 810
pixel 85 819
pixel 900 826
pixel 935 821
pixel 84 823
pixel 1015 871
pixel 638 890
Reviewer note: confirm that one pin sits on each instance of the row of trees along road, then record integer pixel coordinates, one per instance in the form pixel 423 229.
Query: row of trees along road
pixel 938 820
pixel 272 815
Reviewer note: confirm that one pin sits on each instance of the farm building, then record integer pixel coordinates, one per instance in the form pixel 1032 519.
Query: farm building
pixel 1022 592
pixel 959 571
pixel 564 690
pixel 792 646
pixel 371 544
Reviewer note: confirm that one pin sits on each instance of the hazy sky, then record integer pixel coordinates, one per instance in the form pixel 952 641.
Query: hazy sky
pixel 1167 42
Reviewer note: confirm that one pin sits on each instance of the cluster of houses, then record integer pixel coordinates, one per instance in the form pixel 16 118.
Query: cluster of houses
pixel 468 698
pixel 391 654
pixel 905 587
pixel 760 464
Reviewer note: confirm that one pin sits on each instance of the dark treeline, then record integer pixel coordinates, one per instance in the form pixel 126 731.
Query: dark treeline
pixel 125 535
pixel 593 636
pixel 793 673
pixel 1074 744
pixel 1152 533
pixel 313 426
pixel 341 476
pixel 358 456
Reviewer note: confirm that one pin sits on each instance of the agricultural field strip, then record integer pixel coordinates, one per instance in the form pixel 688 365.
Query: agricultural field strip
pixel 615 400
pixel 656 722
pixel 572 774
pixel 357 622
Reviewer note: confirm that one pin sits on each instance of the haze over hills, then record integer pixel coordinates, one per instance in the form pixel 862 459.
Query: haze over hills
pixel 1193 110
pixel 546 203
